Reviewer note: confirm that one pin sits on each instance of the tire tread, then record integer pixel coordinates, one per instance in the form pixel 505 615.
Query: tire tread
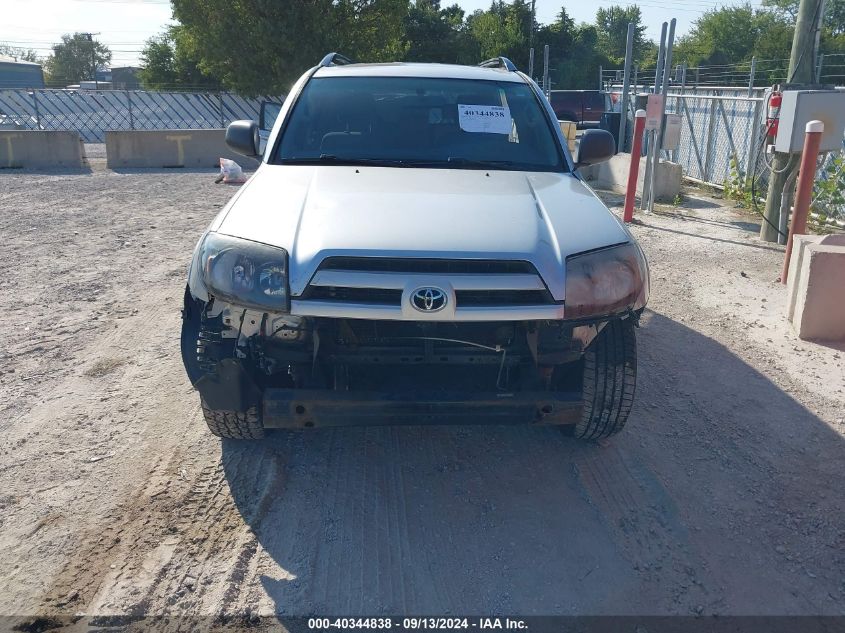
pixel 610 378
pixel 236 425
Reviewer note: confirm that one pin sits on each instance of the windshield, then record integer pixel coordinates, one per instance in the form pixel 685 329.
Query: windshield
pixel 415 121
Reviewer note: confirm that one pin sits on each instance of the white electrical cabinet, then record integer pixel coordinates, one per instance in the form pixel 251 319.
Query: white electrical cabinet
pixel 799 107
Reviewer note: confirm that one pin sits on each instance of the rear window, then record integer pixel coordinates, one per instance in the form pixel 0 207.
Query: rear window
pixel 416 121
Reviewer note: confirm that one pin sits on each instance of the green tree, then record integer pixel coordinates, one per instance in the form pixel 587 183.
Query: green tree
pixel 488 30
pixel 157 60
pixel 262 46
pixel 612 27
pixel 74 59
pixel 23 54
pixel 834 13
pixel 728 36
pixel 168 65
pixel 505 29
pixel 574 55
pixel 832 36
pixel 436 34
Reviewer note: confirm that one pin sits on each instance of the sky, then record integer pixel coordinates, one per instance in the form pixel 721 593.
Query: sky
pixel 124 25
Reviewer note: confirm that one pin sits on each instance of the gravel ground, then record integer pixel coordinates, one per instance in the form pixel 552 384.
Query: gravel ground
pixel 723 495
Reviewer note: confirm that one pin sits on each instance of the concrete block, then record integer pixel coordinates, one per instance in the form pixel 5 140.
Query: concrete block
pixel 39 149
pixel 170 148
pixel 796 263
pixel 613 175
pixel 819 307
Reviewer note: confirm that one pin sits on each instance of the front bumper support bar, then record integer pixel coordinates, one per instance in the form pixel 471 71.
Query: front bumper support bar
pixel 299 408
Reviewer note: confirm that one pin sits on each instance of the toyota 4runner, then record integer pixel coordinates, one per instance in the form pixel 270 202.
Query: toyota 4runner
pixel 417 246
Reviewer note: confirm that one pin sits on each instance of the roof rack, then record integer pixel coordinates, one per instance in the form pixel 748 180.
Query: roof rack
pixel 499 62
pixel 335 59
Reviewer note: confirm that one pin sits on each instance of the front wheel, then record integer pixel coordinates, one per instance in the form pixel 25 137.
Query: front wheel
pixel 609 380
pixel 235 425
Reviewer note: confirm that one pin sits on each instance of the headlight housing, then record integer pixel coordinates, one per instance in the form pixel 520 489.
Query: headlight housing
pixel 246 273
pixel 605 282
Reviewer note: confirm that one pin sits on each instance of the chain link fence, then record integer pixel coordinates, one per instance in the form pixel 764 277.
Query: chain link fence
pixel 723 144
pixel 722 135
pixel 93 112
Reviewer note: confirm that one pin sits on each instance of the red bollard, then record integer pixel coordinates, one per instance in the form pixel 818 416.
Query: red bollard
pixel 804 191
pixel 634 172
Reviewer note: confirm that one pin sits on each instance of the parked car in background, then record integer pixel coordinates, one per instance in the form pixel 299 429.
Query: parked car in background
pixel 585 107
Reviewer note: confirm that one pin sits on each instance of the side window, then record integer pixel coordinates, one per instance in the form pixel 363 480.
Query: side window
pixel 269 113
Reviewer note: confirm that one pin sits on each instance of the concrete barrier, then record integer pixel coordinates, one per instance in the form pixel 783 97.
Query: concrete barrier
pixel 613 175
pixel 170 148
pixel 41 149
pixel 816 287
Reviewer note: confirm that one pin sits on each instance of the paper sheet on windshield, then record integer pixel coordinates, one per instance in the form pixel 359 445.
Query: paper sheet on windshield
pixel 485 118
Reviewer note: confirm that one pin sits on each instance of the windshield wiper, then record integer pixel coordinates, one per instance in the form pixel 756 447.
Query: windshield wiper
pixel 341 160
pixel 469 162
pixel 451 161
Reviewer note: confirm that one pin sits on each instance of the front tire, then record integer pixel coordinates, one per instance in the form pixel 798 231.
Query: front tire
pixel 234 425
pixel 609 380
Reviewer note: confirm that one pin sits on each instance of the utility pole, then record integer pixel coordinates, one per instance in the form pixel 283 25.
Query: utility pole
pixel 547 87
pixel 664 90
pixel 533 22
pixel 651 138
pixel 626 83
pixel 90 38
pixel 802 62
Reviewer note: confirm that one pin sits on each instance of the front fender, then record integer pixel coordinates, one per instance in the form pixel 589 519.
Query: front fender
pixel 196 288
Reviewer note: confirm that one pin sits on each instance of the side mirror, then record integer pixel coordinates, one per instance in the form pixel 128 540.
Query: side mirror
pixel 242 136
pixel 596 146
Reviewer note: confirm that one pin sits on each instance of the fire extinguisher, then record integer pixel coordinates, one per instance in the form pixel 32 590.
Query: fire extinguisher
pixel 773 114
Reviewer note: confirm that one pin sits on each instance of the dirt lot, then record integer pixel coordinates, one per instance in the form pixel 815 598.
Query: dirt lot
pixel 724 494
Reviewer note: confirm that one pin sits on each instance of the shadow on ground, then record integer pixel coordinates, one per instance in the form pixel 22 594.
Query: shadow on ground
pixel 721 496
pixel 694 202
pixel 47 171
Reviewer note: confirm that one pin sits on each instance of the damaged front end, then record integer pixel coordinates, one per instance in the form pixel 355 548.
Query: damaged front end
pixel 317 371
pixel 398 340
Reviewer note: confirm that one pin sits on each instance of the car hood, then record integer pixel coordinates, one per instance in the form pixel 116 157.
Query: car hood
pixel 316 212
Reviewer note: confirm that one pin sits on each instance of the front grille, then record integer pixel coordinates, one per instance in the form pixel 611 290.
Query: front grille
pixel 463 298
pixel 477 283
pixel 477 298
pixel 421 265
pixel 375 296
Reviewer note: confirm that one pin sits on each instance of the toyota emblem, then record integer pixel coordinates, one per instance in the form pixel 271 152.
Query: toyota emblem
pixel 428 299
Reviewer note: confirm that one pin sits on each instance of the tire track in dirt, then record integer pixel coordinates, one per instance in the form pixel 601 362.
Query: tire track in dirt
pixel 434 520
pixel 119 537
pixel 643 520
pixel 98 402
pixel 206 549
pixel 115 434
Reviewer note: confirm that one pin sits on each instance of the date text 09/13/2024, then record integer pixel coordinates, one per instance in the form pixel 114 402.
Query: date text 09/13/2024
pixel 419 623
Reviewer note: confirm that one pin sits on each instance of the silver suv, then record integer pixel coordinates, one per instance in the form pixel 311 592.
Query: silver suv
pixel 416 247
